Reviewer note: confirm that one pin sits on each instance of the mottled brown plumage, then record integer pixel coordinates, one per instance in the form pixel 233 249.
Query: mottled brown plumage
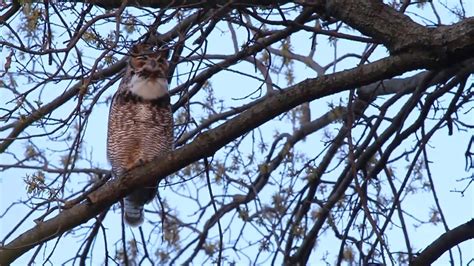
pixel 140 123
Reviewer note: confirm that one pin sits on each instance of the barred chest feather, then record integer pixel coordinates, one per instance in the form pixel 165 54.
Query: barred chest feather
pixel 148 88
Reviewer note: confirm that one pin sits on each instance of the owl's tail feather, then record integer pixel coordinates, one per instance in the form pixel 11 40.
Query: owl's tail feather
pixel 133 213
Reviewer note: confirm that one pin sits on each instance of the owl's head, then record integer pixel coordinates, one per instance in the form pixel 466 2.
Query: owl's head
pixel 148 61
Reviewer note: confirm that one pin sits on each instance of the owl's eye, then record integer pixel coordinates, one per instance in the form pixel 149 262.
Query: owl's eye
pixel 142 57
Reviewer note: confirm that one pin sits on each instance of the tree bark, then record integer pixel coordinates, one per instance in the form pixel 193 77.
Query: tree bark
pixel 209 142
pixel 445 242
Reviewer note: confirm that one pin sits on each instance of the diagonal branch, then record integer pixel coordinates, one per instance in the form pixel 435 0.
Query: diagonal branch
pixel 372 17
pixel 212 140
pixel 20 125
pixel 445 242
pixel 109 4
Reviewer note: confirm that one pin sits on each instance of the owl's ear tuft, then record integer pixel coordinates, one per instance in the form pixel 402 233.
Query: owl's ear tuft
pixel 141 48
pixel 136 49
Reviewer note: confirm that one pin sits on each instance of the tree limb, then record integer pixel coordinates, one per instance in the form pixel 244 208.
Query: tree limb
pixel 445 242
pixel 109 4
pixel 212 140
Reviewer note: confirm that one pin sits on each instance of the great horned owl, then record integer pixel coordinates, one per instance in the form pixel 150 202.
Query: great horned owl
pixel 140 122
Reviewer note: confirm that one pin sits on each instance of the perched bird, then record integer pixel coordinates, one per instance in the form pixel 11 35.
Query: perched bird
pixel 140 123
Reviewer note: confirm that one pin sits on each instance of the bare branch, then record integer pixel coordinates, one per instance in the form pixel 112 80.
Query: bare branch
pixel 444 243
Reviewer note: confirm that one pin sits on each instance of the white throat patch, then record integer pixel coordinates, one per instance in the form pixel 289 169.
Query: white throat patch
pixel 148 89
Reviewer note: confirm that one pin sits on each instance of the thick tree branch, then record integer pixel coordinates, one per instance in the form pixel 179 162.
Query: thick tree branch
pixel 445 242
pixel 209 142
pixel 199 3
pixel 109 4
pixel 371 18
pixel 394 29
pixel 15 6
pixel 409 84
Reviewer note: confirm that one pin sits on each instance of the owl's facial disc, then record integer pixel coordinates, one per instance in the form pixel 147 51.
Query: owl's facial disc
pixel 149 63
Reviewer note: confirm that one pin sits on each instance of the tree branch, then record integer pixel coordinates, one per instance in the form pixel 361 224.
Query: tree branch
pixel 445 242
pixel 7 15
pixel 20 125
pixel 212 140
pixel 109 4
pixel 371 18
